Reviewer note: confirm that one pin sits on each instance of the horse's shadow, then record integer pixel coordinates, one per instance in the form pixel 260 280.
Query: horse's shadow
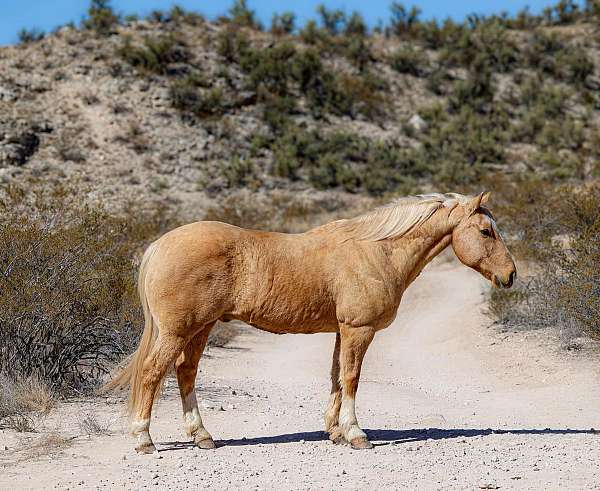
pixel 383 437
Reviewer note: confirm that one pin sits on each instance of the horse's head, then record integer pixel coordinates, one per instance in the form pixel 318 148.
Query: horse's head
pixel 477 243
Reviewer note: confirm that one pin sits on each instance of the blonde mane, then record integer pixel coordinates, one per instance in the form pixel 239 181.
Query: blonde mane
pixel 397 218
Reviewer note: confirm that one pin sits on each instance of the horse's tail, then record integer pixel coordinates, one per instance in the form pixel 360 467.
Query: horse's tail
pixel 130 374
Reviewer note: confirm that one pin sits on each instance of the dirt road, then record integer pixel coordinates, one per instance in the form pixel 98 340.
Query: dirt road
pixel 449 402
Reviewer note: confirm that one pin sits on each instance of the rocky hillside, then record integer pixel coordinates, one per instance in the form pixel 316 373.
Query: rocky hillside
pixel 179 111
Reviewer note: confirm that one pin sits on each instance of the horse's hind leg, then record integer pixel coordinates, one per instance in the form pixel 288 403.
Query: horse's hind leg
pixel 163 354
pixel 335 399
pixel 186 368
pixel 354 344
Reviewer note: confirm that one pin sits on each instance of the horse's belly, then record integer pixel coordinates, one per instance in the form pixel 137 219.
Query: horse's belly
pixel 281 319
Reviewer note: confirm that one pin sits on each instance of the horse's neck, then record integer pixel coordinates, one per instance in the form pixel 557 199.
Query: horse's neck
pixel 410 254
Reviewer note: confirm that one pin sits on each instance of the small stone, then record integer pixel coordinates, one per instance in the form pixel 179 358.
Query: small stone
pixel 417 123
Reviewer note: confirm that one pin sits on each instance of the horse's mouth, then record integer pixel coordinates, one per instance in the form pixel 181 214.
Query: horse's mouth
pixel 498 283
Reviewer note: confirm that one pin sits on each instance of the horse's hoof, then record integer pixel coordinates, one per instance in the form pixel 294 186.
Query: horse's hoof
pixel 146 448
pixel 338 440
pixel 335 435
pixel 206 444
pixel 361 443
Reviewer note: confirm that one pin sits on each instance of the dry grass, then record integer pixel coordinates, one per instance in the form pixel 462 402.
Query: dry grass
pixel 35 395
pixel 44 446
pixel 23 401
pixel 91 425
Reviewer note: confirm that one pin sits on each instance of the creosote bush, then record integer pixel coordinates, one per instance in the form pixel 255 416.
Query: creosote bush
pixel 558 228
pixel 101 18
pixel 156 54
pixel 68 301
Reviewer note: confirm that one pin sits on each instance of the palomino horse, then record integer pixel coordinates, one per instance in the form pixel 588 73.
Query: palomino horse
pixel 346 277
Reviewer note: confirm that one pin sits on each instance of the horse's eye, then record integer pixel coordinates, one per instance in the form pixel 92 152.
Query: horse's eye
pixel 486 232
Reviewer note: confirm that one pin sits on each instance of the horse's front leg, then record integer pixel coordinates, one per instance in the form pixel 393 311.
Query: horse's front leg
pixel 354 342
pixel 335 399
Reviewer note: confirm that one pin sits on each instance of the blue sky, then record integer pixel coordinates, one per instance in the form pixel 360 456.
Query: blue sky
pixel 47 14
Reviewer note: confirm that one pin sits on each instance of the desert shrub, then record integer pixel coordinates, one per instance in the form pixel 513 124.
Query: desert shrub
pixel 68 304
pixel 190 96
pixel 239 172
pixel 27 36
pixel 543 104
pixel 436 36
pixel 332 20
pixel 476 92
pixel 355 25
pixel 403 21
pixel 549 54
pixel 558 164
pixel 283 23
pixel 456 147
pixel 523 20
pixel 558 228
pixel 542 50
pixel 240 14
pixel 486 44
pixel 357 50
pixel 408 60
pixel 275 73
pixel 155 55
pixel 579 66
pixel 134 137
pixel 270 68
pixel 436 81
pixel 567 133
pixel 311 34
pixel 101 18
pixel 565 12
pixel 232 45
pixel 343 160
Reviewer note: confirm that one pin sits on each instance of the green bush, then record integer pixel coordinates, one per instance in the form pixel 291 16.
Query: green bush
pixel 355 25
pixel 436 37
pixel 476 92
pixel 403 22
pixel 155 55
pixel 240 172
pixel 283 23
pixel 332 20
pixel 232 45
pixel 240 14
pixel 486 45
pixel 409 60
pixel 27 36
pixel 101 18
pixel 343 160
pixel 455 148
pixel 188 96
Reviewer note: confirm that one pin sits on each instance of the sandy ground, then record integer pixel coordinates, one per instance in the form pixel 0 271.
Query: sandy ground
pixel 449 402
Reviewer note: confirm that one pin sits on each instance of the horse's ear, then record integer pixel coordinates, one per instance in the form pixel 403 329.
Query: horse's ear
pixel 474 204
pixel 486 197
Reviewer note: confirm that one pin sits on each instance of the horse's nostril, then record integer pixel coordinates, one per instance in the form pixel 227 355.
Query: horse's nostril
pixel 511 278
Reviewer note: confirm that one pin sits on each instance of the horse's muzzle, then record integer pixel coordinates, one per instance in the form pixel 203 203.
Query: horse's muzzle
pixel 509 281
